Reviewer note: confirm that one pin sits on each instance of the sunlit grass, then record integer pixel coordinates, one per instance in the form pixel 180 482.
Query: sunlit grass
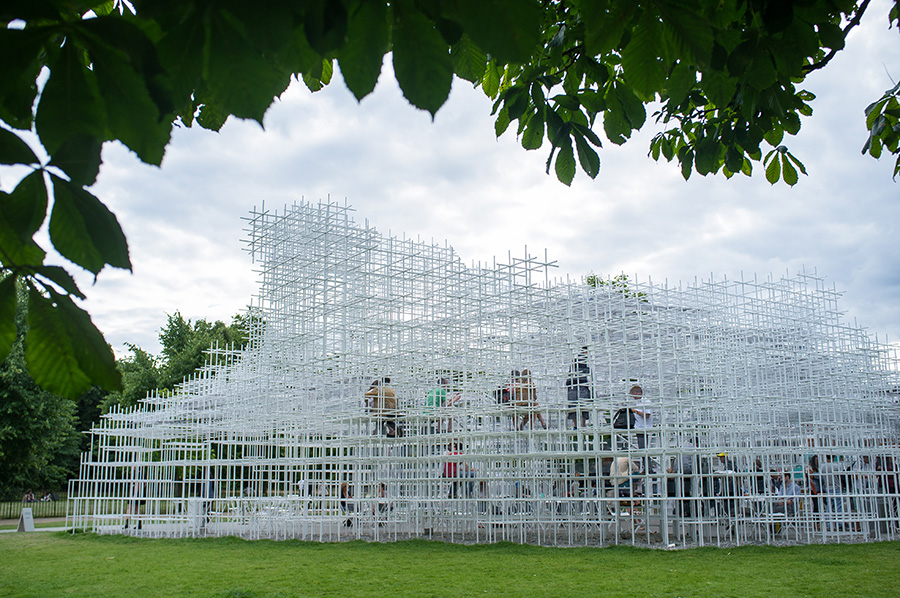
pixel 55 564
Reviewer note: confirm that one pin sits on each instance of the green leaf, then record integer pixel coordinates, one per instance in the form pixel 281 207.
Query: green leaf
pixel 796 162
pixel 516 102
pixel 79 157
pixel 686 158
pixel 680 82
pixel 567 102
pixel 614 123
pixel 640 58
pixel 469 61
pixel 587 157
pixel 15 251
pixel 573 80
pixel 181 51
pixel 774 135
pixel 831 35
pixel 133 115
pixel 509 31
pixel 8 300
pixel 49 354
pixel 789 173
pixel 557 129
pixel 587 133
pixel 605 23
pixel 70 103
pixel 719 87
pixel 491 81
pixel 655 148
pixel 84 231
pixel 689 34
pixel 21 214
pixel 762 72
pixel 14 150
pixel 325 25
pixel 635 113
pixel 92 353
pixel 502 122
pixel 21 51
pixel 773 170
pixel 592 101
pixel 421 58
pixel 361 57
pixel 451 31
pixel 62 278
pixel 734 158
pixel 319 76
pixel 706 155
pixel 565 163
pixel 668 149
pixel 26 207
pixel 240 79
pixel 211 117
pixel 533 137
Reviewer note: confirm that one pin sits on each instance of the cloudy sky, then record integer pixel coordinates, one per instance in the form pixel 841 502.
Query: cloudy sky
pixel 452 179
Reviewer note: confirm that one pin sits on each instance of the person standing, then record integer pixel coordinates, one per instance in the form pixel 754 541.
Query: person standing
pixel 526 396
pixel 578 389
pixel 832 490
pixel 452 468
pixel 346 504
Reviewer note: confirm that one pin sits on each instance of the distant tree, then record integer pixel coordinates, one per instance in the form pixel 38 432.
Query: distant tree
pixel 184 346
pixel 184 351
pixel 39 443
pixel 140 374
pixel 617 284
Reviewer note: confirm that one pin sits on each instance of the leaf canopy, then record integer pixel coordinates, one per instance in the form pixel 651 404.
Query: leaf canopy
pixel 725 78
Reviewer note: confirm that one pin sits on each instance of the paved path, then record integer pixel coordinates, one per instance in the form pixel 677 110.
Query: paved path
pixel 57 528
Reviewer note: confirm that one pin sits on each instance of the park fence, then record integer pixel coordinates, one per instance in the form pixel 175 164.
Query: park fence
pixel 39 509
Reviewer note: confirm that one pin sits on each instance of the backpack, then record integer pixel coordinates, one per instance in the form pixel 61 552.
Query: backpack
pixel 623 419
pixel 502 396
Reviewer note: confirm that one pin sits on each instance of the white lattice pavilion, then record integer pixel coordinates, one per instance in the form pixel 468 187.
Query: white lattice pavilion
pixel 260 442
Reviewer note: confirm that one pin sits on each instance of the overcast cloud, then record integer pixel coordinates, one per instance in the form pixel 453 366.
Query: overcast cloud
pixel 451 179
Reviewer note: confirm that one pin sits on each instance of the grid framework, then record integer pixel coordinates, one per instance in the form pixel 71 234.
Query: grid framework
pixel 389 391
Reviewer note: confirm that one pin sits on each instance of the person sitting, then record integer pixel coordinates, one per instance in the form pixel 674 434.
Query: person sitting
pixel 621 471
pixel 526 396
pixel 788 496
pixel 382 508
pixel 382 403
pixel 29 497
pixel 434 400
pixel 47 497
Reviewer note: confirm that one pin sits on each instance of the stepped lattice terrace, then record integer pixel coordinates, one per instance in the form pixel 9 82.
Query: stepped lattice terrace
pixel 389 391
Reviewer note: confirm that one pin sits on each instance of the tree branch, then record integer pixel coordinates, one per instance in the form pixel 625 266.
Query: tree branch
pixel 831 54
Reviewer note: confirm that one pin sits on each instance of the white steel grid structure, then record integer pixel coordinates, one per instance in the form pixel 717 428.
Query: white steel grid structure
pixel 756 395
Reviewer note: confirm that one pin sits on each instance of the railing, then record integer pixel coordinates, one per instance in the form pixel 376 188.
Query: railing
pixel 52 508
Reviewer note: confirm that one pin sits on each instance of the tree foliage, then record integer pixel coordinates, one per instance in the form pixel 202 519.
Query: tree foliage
pixel 39 440
pixel 184 351
pixel 725 78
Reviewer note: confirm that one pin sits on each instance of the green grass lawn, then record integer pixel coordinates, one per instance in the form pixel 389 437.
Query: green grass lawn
pixel 57 564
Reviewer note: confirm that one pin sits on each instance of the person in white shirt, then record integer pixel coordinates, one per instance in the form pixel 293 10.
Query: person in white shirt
pixel 788 497
pixel 643 417
pixel 832 489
